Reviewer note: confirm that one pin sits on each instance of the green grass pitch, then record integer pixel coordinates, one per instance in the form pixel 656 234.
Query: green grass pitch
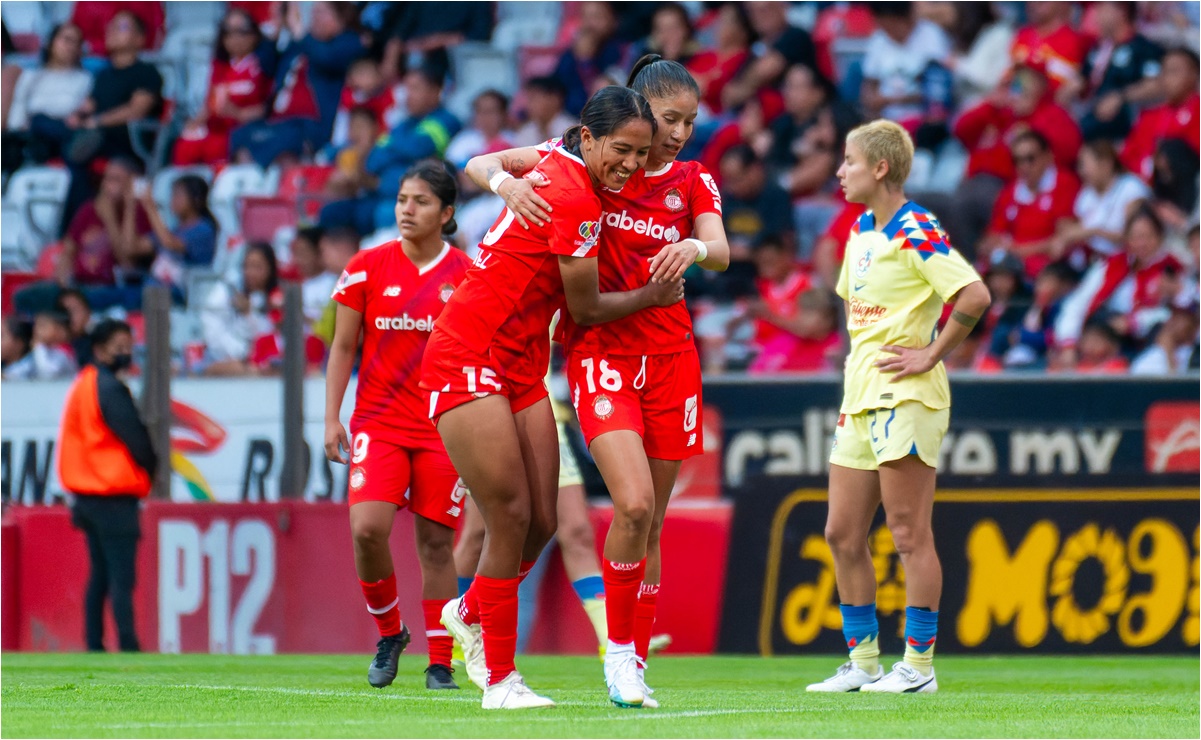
pixel 62 695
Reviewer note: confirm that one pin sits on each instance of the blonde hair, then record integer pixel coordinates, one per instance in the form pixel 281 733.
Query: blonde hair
pixel 885 140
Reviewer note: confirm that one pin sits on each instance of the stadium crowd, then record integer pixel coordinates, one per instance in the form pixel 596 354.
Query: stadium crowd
pixel 1057 142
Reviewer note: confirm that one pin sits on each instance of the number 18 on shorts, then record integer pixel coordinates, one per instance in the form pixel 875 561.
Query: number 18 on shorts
pixel 656 396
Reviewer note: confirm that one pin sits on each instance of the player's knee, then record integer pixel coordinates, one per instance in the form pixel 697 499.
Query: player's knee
pixel 844 540
pixel 576 534
pixel 436 552
pixel 634 513
pixel 512 515
pixel 369 535
pixel 907 537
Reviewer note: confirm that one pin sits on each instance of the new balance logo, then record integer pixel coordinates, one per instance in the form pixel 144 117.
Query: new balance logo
pixel 625 222
pixel 692 439
pixel 391 291
pixel 405 322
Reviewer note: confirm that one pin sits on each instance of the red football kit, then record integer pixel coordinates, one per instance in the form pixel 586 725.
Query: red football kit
pixel 494 335
pixel 243 83
pixel 396 454
pixel 642 372
pixel 1166 121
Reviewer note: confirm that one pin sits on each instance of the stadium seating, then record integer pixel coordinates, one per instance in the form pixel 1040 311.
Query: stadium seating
pixel 477 67
pixel 32 210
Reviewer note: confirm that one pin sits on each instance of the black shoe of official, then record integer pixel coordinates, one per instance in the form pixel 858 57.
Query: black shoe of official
pixel 437 676
pixel 382 671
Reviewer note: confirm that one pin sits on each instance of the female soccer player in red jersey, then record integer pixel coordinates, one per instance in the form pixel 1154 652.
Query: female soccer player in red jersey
pixel 484 368
pixel 636 382
pixel 391 295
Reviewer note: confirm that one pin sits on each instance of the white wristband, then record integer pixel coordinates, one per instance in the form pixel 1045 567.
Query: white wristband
pixel 702 251
pixel 497 179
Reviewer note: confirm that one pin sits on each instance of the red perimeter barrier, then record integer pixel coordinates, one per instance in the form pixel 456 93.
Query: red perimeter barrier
pixel 268 578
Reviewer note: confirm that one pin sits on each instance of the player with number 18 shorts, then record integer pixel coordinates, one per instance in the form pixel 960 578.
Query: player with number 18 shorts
pixel 636 382
pixel 392 295
pixel 483 370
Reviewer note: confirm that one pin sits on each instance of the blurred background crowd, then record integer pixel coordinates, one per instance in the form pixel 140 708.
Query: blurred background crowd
pixel 224 148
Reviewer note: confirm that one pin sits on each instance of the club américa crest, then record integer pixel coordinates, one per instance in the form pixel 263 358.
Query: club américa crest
pixel 602 407
pixel 674 200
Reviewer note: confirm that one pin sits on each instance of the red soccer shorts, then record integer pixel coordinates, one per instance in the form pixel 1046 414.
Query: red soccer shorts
pixel 656 396
pixel 423 480
pixel 452 375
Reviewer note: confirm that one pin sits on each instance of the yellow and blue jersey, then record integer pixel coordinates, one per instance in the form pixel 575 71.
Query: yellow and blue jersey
pixel 895 281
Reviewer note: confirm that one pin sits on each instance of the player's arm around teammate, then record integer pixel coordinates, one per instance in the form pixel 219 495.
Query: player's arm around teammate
pixel 397 457
pixel 500 432
pixel 898 272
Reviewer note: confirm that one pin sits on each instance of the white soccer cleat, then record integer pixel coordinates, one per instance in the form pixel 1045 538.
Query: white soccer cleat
pixel 904 679
pixel 647 701
pixel 848 677
pixel 470 638
pixel 512 693
pixel 626 689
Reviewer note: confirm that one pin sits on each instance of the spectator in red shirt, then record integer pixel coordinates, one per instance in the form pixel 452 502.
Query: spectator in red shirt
pixel 1050 40
pixel 238 92
pixel 715 68
pixel 104 248
pixel 1178 118
pixel 1133 288
pixel 987 130
pixel 1030 209
pixel 93 18
pixel 796 323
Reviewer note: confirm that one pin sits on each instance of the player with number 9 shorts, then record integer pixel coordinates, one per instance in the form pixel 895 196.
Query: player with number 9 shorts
pixel 392 295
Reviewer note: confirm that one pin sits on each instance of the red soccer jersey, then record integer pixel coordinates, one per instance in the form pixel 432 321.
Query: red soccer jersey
pixel 243 83
pixel 1029 216
pixel 505 304
pixel 1061 51
pixel 399 304
pixel 651 211
pixel 782 299
pixel 1156 124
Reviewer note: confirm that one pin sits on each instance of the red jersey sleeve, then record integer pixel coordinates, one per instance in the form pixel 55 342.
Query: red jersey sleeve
pixel 351 290
pixel 704 196
pixel 575 229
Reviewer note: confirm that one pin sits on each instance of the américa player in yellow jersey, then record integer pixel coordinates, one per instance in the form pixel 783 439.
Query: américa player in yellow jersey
pixel 898 272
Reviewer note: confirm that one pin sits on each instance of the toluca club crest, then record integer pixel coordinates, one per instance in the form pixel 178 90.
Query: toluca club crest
pixel 602 407
pixel 445 292
pixel 674 200
pixel 358 478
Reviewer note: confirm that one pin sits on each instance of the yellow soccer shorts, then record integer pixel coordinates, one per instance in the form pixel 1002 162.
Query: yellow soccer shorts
pixel 865 440
pixel 569 470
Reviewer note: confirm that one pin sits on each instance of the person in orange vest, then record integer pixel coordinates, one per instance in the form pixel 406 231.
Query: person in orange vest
pixel 107 461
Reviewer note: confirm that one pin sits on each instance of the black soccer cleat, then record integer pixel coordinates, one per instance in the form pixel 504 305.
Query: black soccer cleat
pixel 382 671
pixel 437 676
